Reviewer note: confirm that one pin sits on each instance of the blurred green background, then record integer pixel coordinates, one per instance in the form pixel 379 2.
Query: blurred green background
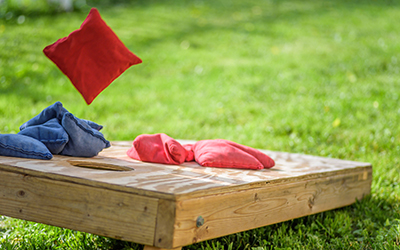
pixel 313 77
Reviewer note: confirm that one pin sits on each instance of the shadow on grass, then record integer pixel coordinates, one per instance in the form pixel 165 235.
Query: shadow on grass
pixel 291 8
pixel 225 3
pixel 235 15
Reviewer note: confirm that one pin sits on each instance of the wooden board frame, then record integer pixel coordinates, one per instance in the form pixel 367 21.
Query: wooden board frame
pixel 84 200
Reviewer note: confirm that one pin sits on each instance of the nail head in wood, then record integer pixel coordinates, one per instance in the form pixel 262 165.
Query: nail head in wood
pixel 200 221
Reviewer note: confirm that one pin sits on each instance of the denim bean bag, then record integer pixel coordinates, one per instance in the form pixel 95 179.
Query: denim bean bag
pixel 53 111
pixel 50 133
pixel 84 140
pixel 65 134
pixel 16 145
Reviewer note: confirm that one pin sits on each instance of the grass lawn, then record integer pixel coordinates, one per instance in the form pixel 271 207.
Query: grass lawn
pixel 313 77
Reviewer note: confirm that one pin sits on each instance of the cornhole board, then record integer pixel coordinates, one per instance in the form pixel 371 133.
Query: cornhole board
pixel 170 206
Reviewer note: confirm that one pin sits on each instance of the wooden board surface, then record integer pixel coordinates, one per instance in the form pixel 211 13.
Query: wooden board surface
pixel 160 205
pixel 175 181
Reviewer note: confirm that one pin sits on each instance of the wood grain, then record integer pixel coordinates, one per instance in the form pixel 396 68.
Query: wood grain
pixel 176 181
pixel 165 224
pixel 238 211
pixel 100 211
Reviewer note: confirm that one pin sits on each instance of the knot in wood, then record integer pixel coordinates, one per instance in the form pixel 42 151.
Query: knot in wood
pixel 21 193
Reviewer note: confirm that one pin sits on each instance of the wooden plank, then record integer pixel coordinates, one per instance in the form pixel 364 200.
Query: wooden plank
pixel 238 211
pixel 165 224
pixel 156 248
pixel 95 210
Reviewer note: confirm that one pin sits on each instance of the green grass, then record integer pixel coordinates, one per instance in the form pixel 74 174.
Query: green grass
pixel 313 77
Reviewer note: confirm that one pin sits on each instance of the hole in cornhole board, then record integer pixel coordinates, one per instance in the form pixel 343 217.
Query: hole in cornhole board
pixel 98 165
